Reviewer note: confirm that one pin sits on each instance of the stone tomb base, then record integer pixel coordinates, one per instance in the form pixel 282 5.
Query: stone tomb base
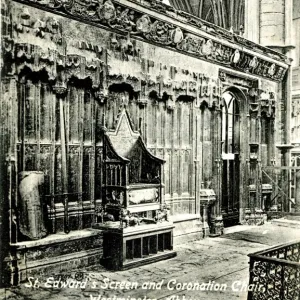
pixel 53 255
pixel 62 253
pixel 188 227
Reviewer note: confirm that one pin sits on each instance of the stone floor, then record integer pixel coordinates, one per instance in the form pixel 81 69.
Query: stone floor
pixel 291 221
pixel 209 264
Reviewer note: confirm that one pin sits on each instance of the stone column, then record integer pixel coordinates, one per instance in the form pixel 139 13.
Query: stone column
pixel 197 187
pixel 204 221
pixel 61 92
pixel 276 24
pixel 272 22
pixel 8 174
pixel 252 20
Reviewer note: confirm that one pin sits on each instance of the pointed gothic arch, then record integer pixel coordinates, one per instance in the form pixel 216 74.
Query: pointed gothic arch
pixel 229 14
pixel 230 204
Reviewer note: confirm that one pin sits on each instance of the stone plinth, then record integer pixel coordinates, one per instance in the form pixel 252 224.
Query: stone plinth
pixel 53 255
pixel 188 227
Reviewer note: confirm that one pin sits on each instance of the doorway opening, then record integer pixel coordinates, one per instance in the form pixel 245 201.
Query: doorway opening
pixel 230 156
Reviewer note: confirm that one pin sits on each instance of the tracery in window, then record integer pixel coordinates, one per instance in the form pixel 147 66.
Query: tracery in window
pixel 229 118
pixel 229 14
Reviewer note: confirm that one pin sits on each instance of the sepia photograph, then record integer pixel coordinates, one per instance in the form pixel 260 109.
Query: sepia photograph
pixel 150 150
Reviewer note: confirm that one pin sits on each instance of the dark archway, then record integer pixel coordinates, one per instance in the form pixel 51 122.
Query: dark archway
pixel 230 202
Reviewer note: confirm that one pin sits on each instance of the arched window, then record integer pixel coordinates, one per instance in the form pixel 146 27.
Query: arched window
pixel 229 14
pixel 230 155
pixel 229 119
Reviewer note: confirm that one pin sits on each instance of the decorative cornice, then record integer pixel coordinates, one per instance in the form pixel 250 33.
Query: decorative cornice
pixel 232 78
pixel 204 26
pixel 30 59
pixel 206 46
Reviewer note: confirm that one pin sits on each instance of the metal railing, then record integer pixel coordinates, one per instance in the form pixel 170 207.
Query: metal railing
pixel 275 273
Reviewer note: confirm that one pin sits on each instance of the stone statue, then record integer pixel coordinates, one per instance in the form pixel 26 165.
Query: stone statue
pixel 163 214
pixel 30 209
pixel 102 215
pixel 127 218
pixel 124 217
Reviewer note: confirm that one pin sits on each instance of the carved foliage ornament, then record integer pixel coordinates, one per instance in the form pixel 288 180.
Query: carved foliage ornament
pixel 128 20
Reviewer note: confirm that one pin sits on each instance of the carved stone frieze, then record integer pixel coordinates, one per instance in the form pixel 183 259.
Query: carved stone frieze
pixel 150 79
pixel 122 18
pixel 60 68
pixel 231 78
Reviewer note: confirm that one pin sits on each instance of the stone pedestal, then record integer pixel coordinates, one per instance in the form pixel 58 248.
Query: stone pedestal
pixel 204 222
pixel 217 227
pixel 53 255
pixel 207 198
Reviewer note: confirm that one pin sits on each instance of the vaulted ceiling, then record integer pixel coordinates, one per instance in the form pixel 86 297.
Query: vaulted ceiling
pixel 224 13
